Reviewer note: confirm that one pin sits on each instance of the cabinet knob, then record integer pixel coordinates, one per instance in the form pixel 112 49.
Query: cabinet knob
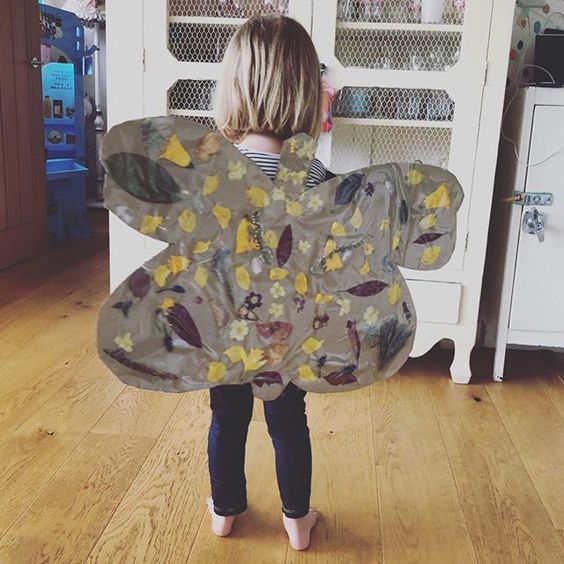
pixel 36 63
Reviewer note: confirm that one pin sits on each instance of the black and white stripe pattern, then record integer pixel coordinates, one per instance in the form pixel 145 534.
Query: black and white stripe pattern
pixel 268 163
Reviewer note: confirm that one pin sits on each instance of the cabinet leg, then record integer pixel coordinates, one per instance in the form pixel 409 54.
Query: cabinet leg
pixel 499 362
pixel 460 367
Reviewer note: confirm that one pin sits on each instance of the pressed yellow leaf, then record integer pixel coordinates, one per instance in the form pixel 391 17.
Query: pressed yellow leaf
pixel 235 353
pixel 300 283
pixel 310 345
pixel 254 360
pixel 160 274
pixel 201 247
pixel 175 152
pixel 167 303
pixel 150 223
pixel 243 277
pixel 294 208
pixel 368 249
pixel 356 219
pixel 123 341
pixel 414 177
pixel 222 215
pixel 430 255
pixel 278 273
pixel 258 197
pixel 394 293
pixel 396 240
pixel 201 276
pixel 177 263
pixel 365 268
pixel 210 185
pixel 338 229
pixel 305 373
pixel 440 198
pixel 428 221
pixel 385 225
pixel 187 220
pixel 330 246
pixel 245 241
pixel 333 263
pixel 216 371
pixel 270 239
pixel 323 298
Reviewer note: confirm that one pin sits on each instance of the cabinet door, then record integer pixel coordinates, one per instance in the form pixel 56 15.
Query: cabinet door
pixel 408 91
pixel 538 304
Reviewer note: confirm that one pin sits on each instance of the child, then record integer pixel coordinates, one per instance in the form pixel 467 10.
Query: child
pixel 271 89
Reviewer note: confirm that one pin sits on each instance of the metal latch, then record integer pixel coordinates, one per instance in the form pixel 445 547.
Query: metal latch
pixel 533 223
pixel 530 198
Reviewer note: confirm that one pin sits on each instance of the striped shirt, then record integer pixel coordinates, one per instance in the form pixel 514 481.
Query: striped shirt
pixel 268 163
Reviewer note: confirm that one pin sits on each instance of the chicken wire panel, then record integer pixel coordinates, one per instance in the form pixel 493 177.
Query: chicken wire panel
pixel 191 95
pixel 394 103
pixel 397 49
pixel 398 11
pixel 358 146
pixel 226 8
pixel 199 42
pixel 203 120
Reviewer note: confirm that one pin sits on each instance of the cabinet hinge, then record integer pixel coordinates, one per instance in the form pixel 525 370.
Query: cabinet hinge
pixel 466 241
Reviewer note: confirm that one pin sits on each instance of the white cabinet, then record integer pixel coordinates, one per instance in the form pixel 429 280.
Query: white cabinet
pixel 407 91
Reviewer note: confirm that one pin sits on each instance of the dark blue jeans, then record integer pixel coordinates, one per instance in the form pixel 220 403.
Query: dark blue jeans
pixel 232 407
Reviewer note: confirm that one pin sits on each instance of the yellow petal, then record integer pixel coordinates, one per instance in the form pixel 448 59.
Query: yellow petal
pixel 216 371
pixel 210 185
pixel 160 274
pixel 167 303
pixel 310 345
pixel 330 246
pixel 270 239
pixel 368 249
pixel 294 208
pixel 150 224
pixel 177 264
pixel 201 276
pixel 254 360
pixel 123 341
pixel 385 225
pixel 278 273
pixel 323 298
pixel 305 373
pixel 430 255
pixel 394 293
pixel 201 247
pixel 365 268
pixel 440 198
pixel 300 283
pixel 258 197
pixel 187 220
pixel 396 240
pixel 222 215
pixel 235 353
pixel 338 229
pixel 414 177
pixel 243 277
pixel 356 219
pixel 175 152
pixel 428 221
pixel 333 263
pixel 245 241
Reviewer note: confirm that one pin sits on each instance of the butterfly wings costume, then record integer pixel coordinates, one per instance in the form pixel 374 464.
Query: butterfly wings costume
pixel 265 282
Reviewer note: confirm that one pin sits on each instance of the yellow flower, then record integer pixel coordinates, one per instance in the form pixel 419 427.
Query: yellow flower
pixel 238 329
pixel 167 303
pixel 243 277
pixel 334 262
pixel 123 341
pixel 277 291
pixel 253 360
pixel 150 224
pixel 293 145
pixel 310 345
pixel 235 353
pixel 160 274
pixel 201 247
pixel 294 208
pixel 187 220
pixel 270 239
pixel 304 246
pixel 385 225
pixel 222 215
pixel 414 177
pixel 315 202
pixel 216 371
pixel 440 198
pixel 345 305
pixel 396 240
pixel 368 249
pixel 394 293
pixel 177 264
pixel 307 150
pixel 276 310
pixel 356 219
pixel 210 185
pixel 371 315
pixel 338 229
pixel 278 273
pixel 300 284
pixel 175 152
pixel 201 276
pixel 237 170
pixel 428 221
pixel 258 197
pixel 323 298
pixel 245 241
pixel 364 269
pixel 305 373
pixel 430 255
pixel 278 194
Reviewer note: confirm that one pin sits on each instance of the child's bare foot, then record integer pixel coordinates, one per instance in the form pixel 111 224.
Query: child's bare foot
pixel 221 525
pixel 299 530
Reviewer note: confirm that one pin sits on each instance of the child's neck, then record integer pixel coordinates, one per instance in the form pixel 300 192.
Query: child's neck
pixel 266 142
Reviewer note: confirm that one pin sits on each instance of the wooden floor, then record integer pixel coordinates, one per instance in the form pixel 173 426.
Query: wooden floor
pixel 415 469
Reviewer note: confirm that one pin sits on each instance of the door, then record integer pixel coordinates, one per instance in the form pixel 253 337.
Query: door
pixel 23 192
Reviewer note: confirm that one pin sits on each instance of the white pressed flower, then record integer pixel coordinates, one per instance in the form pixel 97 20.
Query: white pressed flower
pixel 315 202
pixel 276 310
pixel 304 246
pixel 278 194
pixel 371 315
pixel 277 290
pixel 238 329
pixel 345 306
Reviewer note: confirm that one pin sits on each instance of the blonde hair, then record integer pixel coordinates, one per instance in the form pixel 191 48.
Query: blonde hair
pixel 271 81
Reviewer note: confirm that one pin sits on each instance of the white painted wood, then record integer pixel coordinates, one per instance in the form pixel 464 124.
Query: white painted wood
pixel 436 302
pixel 436 28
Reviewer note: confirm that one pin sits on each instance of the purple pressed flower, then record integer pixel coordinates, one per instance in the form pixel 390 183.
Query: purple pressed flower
pixel 320 321
pixel 369 190
pixel 253 300
pixel 300 303
pixel 322 360
pixel 198 299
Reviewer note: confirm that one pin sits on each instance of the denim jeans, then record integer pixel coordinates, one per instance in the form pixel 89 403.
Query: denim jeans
pixel 232 408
